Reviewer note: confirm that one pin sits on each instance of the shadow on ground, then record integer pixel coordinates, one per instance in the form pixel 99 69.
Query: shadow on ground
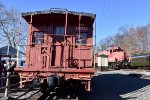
pixel 111 86
pixel 107 87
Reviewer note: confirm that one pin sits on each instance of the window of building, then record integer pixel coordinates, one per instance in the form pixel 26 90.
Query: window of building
pixel 82 38
pixel 38 37
pixel 59 30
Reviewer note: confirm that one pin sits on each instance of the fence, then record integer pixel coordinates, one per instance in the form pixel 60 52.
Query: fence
pixel 8 85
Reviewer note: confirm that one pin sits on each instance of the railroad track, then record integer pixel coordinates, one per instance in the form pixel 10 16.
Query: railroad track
pixel 26 93
pixel 57 94
pixel 35 94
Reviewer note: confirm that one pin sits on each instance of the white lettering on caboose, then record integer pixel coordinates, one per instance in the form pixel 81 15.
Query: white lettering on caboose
pixel 82 28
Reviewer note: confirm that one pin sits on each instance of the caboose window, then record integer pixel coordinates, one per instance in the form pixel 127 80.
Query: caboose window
pixel 82 38
pixel 38 37
pixel 59 30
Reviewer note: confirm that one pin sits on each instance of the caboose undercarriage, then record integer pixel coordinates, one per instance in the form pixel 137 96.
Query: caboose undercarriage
pixel 82 75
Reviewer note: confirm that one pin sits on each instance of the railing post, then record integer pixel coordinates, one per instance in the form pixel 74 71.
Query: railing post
pixel 7 85
pixel 89 85
pixel 21 83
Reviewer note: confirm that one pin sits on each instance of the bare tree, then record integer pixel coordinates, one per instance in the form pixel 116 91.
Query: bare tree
pixel 9 25
pixel 134 40
pixel 148 36
pixel 105 43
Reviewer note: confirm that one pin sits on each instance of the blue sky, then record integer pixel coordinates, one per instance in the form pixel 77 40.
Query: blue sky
pixel 111 14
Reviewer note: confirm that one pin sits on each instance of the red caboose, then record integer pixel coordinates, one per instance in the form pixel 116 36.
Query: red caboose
pixel 59 45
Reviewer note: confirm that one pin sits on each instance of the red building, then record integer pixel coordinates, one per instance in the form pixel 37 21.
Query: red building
pixel 60 42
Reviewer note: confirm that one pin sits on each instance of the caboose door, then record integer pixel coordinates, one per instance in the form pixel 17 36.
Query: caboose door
pixel 57 54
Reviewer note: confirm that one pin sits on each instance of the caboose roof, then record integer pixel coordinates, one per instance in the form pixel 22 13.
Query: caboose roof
pixel 58 11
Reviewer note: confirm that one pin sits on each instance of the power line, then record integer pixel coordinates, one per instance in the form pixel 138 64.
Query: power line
pixel 132 4
pixel 101 14
pixel 113 10
pixel 110 16
pixel 124 12
pixel 106 14
pixel 120 11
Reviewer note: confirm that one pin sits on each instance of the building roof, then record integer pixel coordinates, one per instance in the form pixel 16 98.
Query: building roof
pixel 141 56
pixel 102 55
pixel 9 50
pixel 58 11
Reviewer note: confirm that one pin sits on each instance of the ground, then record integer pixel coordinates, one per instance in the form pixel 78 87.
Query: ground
pixel 118 85
pixel 110 85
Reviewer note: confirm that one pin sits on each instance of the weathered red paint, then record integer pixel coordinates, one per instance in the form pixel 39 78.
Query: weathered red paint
pixel 59 54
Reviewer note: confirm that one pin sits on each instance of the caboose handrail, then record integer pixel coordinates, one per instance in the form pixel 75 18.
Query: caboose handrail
pixel 57 34
pixel 61 9
pixel 8 85
pixel 9 76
